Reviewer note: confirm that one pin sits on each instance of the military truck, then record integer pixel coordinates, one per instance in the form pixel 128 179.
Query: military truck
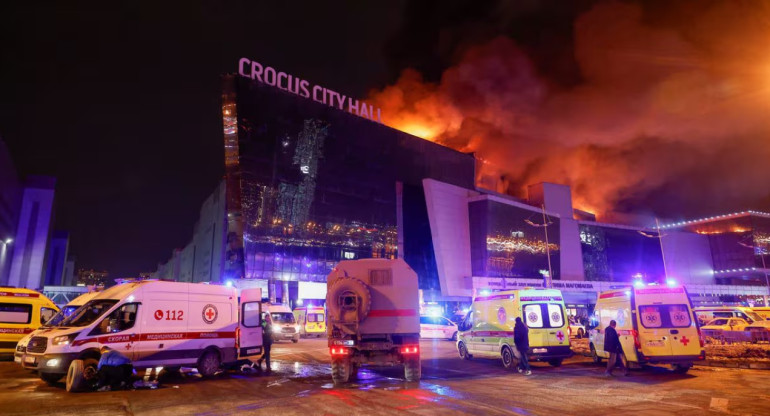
pixel 373 317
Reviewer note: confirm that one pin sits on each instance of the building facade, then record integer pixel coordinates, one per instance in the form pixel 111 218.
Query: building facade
pixel 308 185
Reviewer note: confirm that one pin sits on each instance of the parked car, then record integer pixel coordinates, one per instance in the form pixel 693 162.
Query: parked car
pixel 725 324
pixel 576 329
pixel 437 327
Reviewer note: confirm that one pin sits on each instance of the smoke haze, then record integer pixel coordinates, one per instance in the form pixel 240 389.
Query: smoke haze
pixel 663 109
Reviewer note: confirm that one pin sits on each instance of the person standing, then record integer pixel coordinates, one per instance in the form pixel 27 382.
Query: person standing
pixel 267 341
pixel 614 348
pixel 521 340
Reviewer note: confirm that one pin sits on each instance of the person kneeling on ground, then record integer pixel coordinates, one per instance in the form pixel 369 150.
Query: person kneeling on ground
pixel 115 370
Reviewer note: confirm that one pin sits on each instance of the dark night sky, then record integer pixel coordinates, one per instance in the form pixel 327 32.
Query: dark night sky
pixel 121 102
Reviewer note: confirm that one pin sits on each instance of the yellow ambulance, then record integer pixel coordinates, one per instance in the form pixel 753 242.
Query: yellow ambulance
pixel 487 329
pixel 311 320
pixel 21 312
pixel 655 324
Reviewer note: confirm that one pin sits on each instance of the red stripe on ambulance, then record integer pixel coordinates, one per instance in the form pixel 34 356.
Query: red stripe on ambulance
pixel 20 295
pixel 15 330
pixel 164 336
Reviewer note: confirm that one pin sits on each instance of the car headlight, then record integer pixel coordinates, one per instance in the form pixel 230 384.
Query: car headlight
pixel 64 339
pixel 276 328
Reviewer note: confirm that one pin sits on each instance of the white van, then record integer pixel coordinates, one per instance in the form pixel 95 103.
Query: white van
pixel 65 312
pixel 285 326
pixel 155 324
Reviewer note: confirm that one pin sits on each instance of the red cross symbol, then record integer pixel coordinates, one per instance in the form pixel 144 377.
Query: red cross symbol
pixel 560 336
pixel 210 314
pixel 128 346
pixel 684 340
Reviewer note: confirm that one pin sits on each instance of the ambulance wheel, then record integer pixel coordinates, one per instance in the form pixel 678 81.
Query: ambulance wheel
pixel 507 356
pixel 51 378
pixel 463 351
pixel 412 369
pixel 209 364
pixel 80 374
pixel 594 356
pixel 341 370
pixel 681 368
pixel 556 362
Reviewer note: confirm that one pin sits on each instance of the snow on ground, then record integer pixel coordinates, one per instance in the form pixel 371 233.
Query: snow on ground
pixel 714 351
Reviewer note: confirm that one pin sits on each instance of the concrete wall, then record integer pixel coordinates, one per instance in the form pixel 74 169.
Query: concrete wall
pixel 28 263
pixel 449 225
pixel 688 257
pixel 571 254
pixel 57 258
pixel 209 238
pixel 186 263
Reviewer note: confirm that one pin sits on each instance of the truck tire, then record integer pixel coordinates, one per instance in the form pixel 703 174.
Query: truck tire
pixel 76 374
pixel 341 370
pixel 508 358
pixel 463 351
pixel 412 369
pixel 595 356
pixel 51 378
pixel 209 364
pixel 349 285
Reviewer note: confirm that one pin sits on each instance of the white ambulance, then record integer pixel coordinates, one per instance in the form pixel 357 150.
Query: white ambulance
pixel 285 326
pixel 155 324
pixel 66 311
pixel 655 324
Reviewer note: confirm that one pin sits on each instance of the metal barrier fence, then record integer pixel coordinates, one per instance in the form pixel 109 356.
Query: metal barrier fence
pixel 735 337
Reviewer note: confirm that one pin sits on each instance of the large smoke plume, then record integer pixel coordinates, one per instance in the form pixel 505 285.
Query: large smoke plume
pixel 671 114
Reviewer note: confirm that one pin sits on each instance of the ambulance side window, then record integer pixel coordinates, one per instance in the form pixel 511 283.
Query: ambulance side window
pixel 119 320
pixel 251 314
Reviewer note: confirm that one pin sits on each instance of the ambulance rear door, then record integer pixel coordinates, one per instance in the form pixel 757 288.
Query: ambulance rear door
pixel 250 333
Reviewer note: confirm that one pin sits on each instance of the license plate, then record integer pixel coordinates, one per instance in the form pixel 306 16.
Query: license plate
pixel 655 344
pixel 29 360
pixel 539 350
pixel 252 351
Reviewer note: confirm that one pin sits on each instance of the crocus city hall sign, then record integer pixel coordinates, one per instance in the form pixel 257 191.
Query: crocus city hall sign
pixel 295 85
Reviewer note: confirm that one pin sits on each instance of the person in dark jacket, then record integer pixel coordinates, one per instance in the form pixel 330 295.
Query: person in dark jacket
pixel 521 340
pixel 267 341
pixel 614 348
pixel 114 370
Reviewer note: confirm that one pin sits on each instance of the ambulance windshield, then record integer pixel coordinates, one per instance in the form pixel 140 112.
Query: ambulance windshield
pixel 282 317
pixel 61 315
pixel 88 313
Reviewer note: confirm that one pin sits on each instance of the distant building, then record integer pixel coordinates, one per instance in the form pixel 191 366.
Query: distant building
pixel 10 202
pixel 203 258
pixel 92 278
pixel 68 275
pixel 57 258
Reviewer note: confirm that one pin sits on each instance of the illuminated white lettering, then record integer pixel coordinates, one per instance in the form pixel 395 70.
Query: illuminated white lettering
pixel 242 67
pixel 352 108
pixel 364 110
pixel 379 116
pixel 293 84
pixel 303 88
pixel 256 71
pixel 278 84
pixel 270 76
pixel 317 88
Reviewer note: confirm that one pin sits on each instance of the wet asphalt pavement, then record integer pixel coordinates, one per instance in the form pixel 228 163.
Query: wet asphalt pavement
pixel 300 384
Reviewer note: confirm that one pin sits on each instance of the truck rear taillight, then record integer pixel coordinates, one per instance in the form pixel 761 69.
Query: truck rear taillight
pixel 410 349
pixel 339 351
